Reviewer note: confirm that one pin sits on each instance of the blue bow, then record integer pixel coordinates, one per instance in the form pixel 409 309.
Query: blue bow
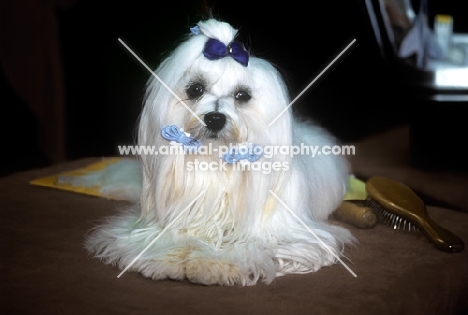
pixel 214 49
pixel 173 133
pixel 234 156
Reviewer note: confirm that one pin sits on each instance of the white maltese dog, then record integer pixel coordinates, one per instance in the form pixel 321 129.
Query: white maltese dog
pixel 233 218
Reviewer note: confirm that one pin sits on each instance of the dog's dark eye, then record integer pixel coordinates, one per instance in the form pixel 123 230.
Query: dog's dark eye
pixel 242 96
pixel 195 91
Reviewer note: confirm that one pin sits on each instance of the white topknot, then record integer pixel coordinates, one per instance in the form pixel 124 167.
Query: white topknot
pixel 221 31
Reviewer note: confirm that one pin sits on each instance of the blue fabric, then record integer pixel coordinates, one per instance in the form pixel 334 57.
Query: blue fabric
pixel 214 49
pixel 234 155
pixel 173 133
pixel 195 30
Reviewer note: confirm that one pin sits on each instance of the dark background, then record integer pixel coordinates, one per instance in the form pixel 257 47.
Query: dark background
pixel 104 84
pixel 300 38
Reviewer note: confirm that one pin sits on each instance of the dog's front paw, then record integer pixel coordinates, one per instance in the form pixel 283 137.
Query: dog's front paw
pixel 211 271
pixel 169 266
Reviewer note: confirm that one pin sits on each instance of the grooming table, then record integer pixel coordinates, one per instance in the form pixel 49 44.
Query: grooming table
pixel 44 268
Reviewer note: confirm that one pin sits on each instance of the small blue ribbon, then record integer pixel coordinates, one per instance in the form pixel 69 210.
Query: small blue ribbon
pixel 214 49
pixel 173 133
pixel 195 30
pixel 234 156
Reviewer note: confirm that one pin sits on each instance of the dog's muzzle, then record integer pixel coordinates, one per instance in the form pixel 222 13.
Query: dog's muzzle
pixel 214 121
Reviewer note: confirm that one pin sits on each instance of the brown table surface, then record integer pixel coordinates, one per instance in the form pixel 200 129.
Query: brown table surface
pixel 45 270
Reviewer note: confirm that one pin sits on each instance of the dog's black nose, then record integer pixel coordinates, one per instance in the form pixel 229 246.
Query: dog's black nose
pixel 215 121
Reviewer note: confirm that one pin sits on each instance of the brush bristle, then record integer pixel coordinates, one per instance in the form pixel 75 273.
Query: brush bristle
pixel 390 219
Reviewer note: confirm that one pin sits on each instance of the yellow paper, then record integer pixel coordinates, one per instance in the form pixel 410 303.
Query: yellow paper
pixel 356 189
pixel 52 181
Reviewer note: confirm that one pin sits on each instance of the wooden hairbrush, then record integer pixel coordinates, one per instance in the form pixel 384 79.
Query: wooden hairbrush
pixel 399 207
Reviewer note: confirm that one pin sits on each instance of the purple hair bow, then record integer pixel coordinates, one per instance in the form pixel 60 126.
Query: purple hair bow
pixel 214 49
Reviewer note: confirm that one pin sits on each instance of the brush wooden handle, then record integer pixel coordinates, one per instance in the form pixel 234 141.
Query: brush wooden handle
pixel 402 201
pixel 360 216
